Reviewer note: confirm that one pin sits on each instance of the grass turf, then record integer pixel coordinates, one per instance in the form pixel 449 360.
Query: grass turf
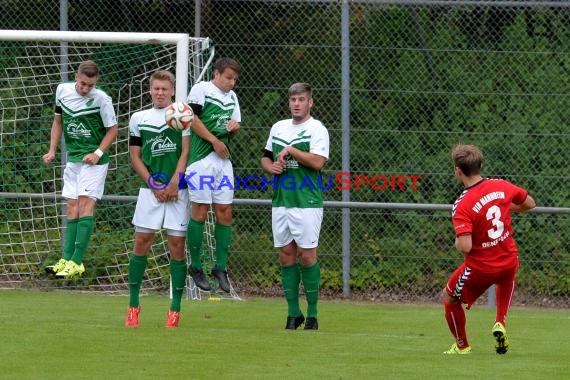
pixel 66 335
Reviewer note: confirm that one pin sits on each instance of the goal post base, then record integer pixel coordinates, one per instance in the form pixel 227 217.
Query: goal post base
pixel 194 293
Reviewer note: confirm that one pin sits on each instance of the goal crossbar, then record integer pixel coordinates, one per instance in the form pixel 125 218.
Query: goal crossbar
pixel 181 40
pixel 32 209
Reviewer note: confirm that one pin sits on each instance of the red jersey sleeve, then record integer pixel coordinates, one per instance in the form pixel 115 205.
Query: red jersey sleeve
pixel 519 194
pixel 461 222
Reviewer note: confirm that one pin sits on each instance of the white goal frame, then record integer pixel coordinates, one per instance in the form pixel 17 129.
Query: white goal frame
pixel 181 40
pixel 184 74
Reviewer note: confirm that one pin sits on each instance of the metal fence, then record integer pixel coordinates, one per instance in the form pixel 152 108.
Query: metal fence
pixel 397 83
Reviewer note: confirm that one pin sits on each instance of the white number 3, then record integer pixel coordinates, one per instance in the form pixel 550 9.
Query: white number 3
pixel 494 215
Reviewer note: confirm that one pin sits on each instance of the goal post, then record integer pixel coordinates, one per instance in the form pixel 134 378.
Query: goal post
pixel 32 220
pixel 182 42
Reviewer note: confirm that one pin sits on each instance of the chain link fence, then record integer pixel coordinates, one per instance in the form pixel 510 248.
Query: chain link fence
pixel 397 83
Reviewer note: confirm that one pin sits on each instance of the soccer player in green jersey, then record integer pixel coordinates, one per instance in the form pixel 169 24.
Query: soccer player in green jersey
pixel 209 174
pixel 158 155
pixel 85 116
pixel 298 148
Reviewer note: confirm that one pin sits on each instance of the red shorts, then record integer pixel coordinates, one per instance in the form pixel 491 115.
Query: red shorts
pixel 468 284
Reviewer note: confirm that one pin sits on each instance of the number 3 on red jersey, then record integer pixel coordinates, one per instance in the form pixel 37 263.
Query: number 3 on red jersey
pixel 494 215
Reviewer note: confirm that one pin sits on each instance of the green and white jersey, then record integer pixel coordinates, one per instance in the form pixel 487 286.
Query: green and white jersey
pixel 218 108
pixel 161 146
pixel 298 185
pixel 85 120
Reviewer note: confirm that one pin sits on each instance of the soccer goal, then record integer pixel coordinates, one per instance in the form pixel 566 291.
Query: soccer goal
pixel 32 212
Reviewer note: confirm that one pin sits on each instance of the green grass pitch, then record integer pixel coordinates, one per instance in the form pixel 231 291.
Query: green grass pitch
pixel 65 335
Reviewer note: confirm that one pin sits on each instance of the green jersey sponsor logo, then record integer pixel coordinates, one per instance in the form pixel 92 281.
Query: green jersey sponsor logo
pixel 160 145
pixel 77 130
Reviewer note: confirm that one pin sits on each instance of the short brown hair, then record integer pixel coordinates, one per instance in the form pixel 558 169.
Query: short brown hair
pixel 88 68
pixel 468 158
pixel 300 88
pixel 163 75
pixel 226 63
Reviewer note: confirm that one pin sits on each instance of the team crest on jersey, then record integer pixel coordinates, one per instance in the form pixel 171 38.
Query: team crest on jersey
pixel 162 145
pixel 222 123
pixel 89 102
pixel 291 163
pixel 77 130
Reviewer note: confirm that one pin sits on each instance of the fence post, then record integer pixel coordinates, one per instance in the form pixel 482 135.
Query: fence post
pixel 345 116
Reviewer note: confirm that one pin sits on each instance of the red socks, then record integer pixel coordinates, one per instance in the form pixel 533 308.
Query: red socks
pixel 455 317
pixel 503 297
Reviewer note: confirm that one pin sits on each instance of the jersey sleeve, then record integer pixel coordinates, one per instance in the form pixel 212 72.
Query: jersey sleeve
pixel 236 114
pixel 108 112
pixel 320 141
pixel 519 194
pixel 268 144
pixel 134 125
pixel 462 222
pixel 197 94
pixel 58 91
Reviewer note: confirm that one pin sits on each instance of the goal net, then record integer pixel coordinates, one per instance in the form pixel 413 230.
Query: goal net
pixel 32 211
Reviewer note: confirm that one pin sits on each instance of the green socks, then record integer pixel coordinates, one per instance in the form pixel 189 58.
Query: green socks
pixel 69 240
pixel 223 238
pixel 290 279
pixel 85 226
pixel 178 276
pixel 312 282
pixel 137 266
pixel 194 237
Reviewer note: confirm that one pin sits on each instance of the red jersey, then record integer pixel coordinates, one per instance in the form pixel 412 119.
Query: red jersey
pixel 483 210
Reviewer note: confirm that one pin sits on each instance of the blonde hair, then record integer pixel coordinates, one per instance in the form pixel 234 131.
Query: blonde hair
pixel 163 75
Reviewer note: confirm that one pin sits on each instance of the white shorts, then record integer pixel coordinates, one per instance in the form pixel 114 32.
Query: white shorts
pixel 152 215
pixel 300 224
pixel 84 179
pixel 211 180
